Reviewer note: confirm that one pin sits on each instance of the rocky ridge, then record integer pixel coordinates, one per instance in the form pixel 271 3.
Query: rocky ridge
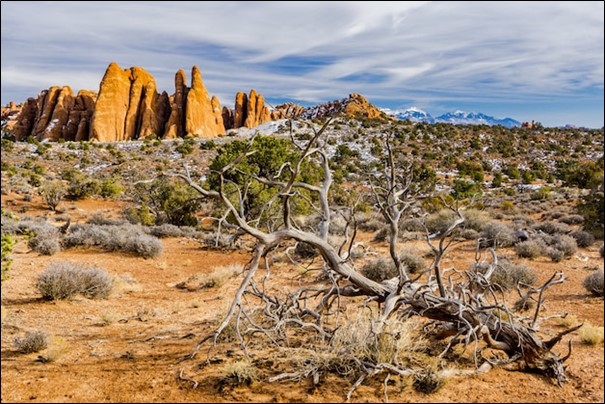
pixel 128 106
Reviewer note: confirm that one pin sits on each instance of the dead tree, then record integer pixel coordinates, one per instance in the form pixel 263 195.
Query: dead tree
pixel 466 305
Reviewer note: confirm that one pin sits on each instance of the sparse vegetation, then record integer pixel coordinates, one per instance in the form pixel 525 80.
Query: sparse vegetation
pixel 33 341
pixel 593 283
pixel 63 280
pixel 591 334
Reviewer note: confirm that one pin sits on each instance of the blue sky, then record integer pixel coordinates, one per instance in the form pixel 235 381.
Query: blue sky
pixel 525 60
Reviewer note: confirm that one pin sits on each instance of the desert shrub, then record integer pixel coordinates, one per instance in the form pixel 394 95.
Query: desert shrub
pixel 140 215
pixel 169 201
pixel 555 255
pixel 111 188
pixel 496 234
pixel 414 224
pixel 565 243
pixel 221 241
pixel 583 238
pixel 591 334
pixel 571 219
pixel 45 245
pixel 127 237
pixel 99 218
pixel 551 227
pixel 379 269
pixel 507 275
pixel 413 261
pixel 53 192
pixel 462 189
pixel 81 186
pixel 8 242
pixel 369 221
pixel 594 283
pixel 592 210
pixel 529 249
pixel 475 219
pixel 382 234
pixel 469 234
pixel 63 280
pixel 399 342
pixel 166 230
pixel 33 341
pixel 440 221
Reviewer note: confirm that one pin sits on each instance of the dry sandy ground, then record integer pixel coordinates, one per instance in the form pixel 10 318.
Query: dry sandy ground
pixel 127 348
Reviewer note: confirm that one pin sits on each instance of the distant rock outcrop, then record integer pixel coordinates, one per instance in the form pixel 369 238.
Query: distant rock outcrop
pixel 288 110
pixel 355 106
pixel 249 111
pixel 128 106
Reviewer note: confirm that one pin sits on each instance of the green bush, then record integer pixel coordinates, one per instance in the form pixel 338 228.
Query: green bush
pixel 169 201
pixel 53 192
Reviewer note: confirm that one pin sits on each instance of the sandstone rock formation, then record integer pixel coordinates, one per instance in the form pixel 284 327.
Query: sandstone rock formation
pixel 288 110
pixel 355 106
pixel 204 117
pixel 359 107
pixel 78 124
pixel 128 106
pixel 175 126
pixel 249 111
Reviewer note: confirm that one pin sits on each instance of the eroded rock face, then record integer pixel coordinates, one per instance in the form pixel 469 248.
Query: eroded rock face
pixel 26 119
pixel 204 116
pixel 57 126
pixel 359 107
pixel 287 111
pixel 108 121
pixel 175 126
pixel 249 111
pixel 128 106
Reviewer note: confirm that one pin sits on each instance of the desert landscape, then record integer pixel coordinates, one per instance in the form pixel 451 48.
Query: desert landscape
pixel 302 202
pixel 134 343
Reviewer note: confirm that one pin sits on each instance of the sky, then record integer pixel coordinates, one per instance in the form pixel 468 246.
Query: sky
pixel 524 60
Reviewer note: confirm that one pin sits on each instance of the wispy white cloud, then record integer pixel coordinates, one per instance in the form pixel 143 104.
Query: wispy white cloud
pixel 423 53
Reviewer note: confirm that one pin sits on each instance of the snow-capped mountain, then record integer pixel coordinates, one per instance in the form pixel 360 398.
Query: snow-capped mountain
pixel 472 118
pixel 458 117
pixel 412 114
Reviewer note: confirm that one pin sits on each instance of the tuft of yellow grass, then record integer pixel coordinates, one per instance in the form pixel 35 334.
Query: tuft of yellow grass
pixel 591 334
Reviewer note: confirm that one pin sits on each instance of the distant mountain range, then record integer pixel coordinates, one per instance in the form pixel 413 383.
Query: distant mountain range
pixel 458 117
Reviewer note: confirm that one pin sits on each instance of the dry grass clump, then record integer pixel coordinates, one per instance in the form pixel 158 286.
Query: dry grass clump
pixel 215 279
pixel 590 334
pixel 240 373
pixel 33 341
pixel 63 280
